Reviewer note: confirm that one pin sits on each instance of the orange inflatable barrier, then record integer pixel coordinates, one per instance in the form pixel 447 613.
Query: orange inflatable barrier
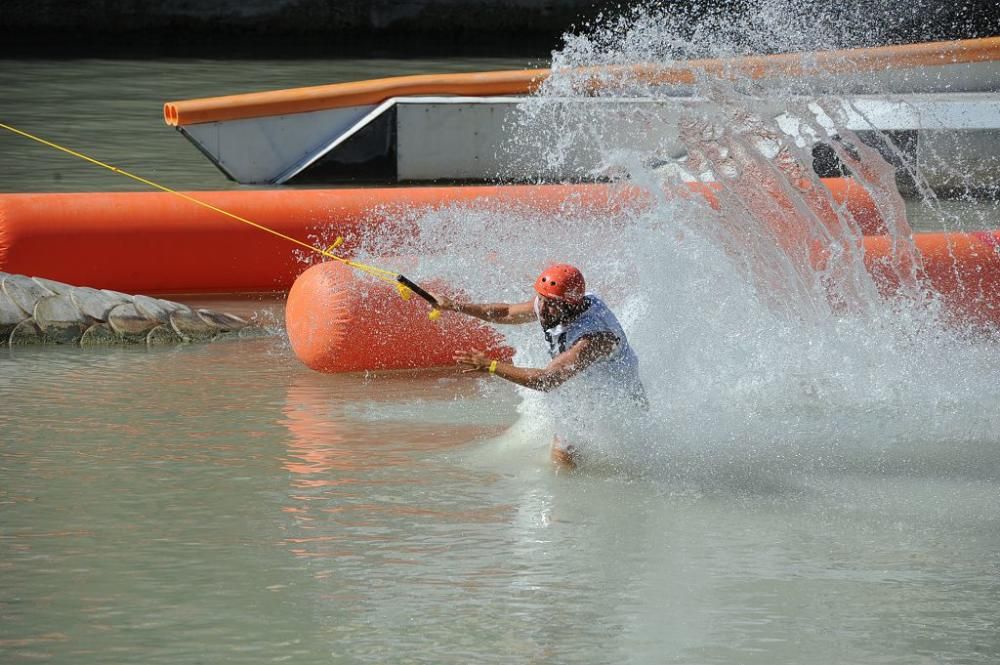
pixel 160 243
pixel 522 82
pixel 964 268
pixel 340 321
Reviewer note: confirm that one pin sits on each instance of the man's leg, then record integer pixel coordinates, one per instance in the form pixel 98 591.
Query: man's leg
pixel 563 454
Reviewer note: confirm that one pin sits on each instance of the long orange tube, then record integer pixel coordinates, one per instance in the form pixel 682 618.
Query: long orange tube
pixel 163 244
pixel 589 80
pixel 159 243
pixel 964 268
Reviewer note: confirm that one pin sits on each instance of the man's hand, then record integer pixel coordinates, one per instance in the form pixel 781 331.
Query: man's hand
pixel 473 361
pixel 444 303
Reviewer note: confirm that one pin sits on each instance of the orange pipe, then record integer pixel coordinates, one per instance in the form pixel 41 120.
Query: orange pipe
pixel 154 242
pixel 358 93
pixel 964 268
pixel 591 79
pixel 339 322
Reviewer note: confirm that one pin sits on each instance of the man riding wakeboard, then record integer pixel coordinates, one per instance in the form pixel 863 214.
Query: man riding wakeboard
pixel 584 338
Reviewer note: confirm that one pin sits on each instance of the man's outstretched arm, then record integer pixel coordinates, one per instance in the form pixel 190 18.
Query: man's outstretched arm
pixel 492 312
pixel 562 368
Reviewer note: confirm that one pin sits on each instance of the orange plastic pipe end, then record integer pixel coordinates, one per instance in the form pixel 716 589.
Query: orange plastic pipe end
pixel 340 321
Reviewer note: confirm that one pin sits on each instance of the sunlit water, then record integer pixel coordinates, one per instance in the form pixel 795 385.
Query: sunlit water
pixel 815 484
pixel 223 504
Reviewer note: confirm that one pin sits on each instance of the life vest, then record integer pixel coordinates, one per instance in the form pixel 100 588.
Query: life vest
pixel 620 367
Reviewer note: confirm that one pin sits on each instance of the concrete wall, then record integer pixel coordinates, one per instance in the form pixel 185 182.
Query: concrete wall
pixel 361 28
pixel 308 15
pixel 191 27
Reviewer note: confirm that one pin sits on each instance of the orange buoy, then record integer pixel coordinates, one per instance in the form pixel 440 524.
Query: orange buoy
pixel 340 321
pixel 161 243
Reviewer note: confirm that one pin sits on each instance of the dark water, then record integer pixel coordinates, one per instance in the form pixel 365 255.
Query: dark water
pixel 111 110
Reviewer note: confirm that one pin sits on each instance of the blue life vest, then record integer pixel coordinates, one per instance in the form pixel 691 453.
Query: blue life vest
pixel 620 368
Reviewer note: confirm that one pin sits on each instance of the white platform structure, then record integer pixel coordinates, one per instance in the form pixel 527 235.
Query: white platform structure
pixel 953 139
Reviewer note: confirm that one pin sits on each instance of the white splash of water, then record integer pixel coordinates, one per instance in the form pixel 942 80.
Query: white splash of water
pixel 754 359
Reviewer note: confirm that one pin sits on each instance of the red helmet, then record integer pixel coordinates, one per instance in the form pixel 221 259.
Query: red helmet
pixel 561 281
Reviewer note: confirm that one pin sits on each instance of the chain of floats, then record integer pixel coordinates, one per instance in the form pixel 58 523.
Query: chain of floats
pixel 41 311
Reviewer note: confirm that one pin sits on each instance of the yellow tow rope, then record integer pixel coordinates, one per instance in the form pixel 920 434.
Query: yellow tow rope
pixel 385 275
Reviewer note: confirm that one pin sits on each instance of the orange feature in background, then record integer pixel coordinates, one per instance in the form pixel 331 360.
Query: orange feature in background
pixel 159 243
pixel 964 268
pixel 591 79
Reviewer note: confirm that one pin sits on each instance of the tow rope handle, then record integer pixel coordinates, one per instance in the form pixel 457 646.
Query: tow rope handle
pixel 407 284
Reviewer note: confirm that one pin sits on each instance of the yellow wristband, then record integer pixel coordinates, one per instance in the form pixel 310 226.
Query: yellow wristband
pixel 493 367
